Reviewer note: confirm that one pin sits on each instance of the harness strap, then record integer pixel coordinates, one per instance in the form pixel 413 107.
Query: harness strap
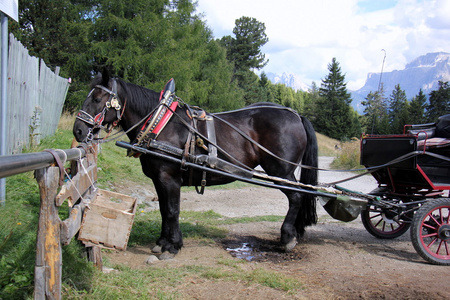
pixel 195 115
pixel 211 132
pixel 59 163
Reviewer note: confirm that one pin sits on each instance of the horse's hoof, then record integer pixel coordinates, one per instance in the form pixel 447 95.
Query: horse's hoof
pixel 166 255
pixel 289 246
pixel 157 249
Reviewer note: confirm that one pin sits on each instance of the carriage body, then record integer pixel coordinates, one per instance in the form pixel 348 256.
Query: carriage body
pixel 413 175
pixel 417 175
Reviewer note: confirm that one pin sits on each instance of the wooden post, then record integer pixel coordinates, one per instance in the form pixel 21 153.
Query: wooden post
pixel 48 266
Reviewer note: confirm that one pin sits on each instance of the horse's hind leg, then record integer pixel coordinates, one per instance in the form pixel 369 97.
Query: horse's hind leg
pixel 289 233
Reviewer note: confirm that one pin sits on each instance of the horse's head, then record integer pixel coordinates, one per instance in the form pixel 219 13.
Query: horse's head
pixel 101 109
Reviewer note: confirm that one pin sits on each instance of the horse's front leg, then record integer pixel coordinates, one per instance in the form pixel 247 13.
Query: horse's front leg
pixel 171 240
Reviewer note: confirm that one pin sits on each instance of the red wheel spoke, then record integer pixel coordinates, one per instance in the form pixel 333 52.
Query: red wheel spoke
pixel 374 216
pixel 429 235
pixel 376 225
pixel 433 218
pixel 446 248
pixel 439 247
pixel 429 226
pixel 432 242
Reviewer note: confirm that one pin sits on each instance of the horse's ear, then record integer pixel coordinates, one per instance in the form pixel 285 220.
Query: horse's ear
pixel 105 77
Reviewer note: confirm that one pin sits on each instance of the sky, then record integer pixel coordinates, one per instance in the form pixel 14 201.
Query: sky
pixel 305 35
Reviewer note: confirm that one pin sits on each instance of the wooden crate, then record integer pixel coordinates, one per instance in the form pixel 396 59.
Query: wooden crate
pixel 108 220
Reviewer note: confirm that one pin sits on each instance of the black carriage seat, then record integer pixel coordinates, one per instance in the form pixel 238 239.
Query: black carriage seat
pixel 433 135
pixel 436 169
pixel 423 131
pixel 427 131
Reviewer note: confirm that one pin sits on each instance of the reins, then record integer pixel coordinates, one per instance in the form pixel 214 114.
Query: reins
pixel 98 119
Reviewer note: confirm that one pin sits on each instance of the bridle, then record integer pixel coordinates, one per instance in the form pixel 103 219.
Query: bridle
pixel 97 120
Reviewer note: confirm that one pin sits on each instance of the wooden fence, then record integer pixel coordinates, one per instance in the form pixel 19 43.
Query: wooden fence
pixel 35 98
pixel 52 232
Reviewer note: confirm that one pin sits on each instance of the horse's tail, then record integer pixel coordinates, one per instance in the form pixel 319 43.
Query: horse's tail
pixel 307 214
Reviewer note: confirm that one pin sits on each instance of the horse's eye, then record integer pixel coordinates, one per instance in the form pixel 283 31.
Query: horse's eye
pixel 97 99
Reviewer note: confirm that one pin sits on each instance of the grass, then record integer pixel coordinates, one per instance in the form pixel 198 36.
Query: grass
pixel 163 283
pixel 327 146
pixel 348 156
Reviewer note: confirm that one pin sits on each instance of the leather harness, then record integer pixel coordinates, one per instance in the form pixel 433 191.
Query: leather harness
pixel 196 114
pixel 147 137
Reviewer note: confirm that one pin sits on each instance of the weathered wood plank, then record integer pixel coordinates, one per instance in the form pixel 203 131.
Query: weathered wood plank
pixel 71 225
pixel 95 256
pixel 79 184
pixel 31 88
pixel 48 245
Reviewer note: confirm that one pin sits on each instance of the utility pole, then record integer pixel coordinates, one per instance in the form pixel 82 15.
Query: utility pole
pixel 7 8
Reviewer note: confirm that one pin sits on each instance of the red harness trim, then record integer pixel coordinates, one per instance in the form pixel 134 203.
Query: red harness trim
pixel 164 119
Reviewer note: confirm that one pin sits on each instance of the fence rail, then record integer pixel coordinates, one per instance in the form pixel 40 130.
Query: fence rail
pixel 20 163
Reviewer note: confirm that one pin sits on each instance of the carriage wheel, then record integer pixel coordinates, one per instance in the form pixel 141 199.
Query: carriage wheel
pixel 382 224
pixel 430 233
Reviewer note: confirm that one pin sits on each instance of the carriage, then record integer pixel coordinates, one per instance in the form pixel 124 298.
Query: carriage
pixel 181 145
pixel 413 173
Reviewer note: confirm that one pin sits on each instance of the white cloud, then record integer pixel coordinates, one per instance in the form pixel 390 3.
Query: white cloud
pixel 305 35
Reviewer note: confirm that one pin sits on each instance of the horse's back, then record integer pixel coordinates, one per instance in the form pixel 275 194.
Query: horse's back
pixel 272 128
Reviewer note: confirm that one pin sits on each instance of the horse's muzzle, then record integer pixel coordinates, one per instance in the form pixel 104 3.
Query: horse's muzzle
pixel 80 130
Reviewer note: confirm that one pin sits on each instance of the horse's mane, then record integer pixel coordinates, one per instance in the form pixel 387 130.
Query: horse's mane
pixel 138 97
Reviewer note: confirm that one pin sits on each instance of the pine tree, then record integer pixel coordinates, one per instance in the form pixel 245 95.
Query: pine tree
pixel 55 31
pixel 376 119
pixel 311 102
pixel 417 108
pixel 398 110
pixel 244 50
pixel 142 42
pixel 334 113
pixel 439 102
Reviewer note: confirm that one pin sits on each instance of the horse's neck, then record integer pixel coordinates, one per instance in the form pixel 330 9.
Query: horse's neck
pixel 137 110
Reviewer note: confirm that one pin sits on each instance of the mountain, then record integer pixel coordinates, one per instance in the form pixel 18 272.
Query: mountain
pixel 288 79
pixel 423 73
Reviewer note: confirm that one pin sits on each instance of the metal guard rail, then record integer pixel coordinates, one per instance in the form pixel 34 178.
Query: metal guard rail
pixel 20 163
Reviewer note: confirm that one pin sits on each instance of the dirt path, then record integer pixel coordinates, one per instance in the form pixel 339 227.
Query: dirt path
pixel 334 260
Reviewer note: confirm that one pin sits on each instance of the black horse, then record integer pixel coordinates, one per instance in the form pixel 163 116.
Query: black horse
pixel 260 134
